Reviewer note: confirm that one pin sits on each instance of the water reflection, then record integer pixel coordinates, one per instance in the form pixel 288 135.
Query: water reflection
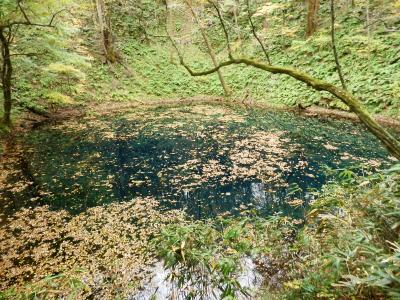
pixel 160 287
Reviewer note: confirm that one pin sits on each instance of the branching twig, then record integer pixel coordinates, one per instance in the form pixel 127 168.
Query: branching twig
pixel 169 35
pixel 387 139
pixel 10 36
pixel 209 46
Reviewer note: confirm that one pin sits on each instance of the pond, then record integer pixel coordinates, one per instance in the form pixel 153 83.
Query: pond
pixel 86 197
pixel 207 160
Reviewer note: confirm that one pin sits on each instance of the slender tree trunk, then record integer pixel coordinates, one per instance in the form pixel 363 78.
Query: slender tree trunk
pixel 209 49
pixel 6 74
pixel 105 32
pixel 312 11
pixel 335 52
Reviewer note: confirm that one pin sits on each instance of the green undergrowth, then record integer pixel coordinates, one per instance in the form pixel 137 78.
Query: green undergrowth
pixel 349 246
pixel 371 77
pixel 369 61
pixel 53 76
pixel 67 69
pixel 351 243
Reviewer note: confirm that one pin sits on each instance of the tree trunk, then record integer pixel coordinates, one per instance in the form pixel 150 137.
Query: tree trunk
pixel 6 74
pixel 254 31
pixel 105 32
pixel 210 50
pixel 312 11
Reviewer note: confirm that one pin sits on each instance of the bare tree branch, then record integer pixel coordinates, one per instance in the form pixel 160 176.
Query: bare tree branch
pixel 14 34
pixel 55 15
pixel 387 139
pixel 7 34
pixel 210 49
pixel 10 36
pixel 169 36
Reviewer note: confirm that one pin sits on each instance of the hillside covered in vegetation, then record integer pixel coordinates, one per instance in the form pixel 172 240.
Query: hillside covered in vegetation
pixel 200 149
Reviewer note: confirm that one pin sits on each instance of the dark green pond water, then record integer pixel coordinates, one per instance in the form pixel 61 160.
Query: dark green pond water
pixel 206 160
